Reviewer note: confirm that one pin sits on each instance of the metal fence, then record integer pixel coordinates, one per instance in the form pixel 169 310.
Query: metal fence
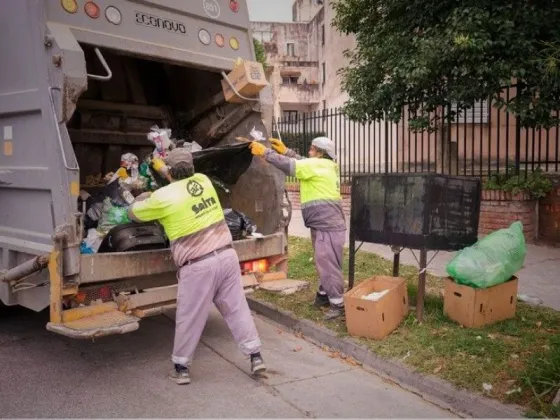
pixel 481 141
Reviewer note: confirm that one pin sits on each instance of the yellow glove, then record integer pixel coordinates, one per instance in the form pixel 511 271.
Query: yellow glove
pixel 278 146
pixel 257 149
pixel 158 164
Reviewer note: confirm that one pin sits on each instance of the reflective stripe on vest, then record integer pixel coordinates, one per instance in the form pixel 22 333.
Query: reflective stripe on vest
pixel 184 207
pixel 319 179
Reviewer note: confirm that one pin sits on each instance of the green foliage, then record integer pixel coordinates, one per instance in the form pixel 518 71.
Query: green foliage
pixel 260 54
pixel 534 183
pixel 442 53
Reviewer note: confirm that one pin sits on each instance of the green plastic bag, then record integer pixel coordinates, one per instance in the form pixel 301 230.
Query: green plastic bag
pixel 111 216
pixel 492 260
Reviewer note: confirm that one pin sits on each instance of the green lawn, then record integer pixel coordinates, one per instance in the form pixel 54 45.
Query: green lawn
pixel 521 353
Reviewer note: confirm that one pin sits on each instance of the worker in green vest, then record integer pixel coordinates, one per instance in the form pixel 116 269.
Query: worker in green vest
pixel 201 244
pixel 321 207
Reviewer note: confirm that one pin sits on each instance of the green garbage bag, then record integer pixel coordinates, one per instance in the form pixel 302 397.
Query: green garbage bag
pixel 492 260
pixel 111 216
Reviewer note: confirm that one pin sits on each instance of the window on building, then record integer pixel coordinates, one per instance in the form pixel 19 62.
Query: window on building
pixel 295 12
pixel 291 116
pixel 323 34
pixel 290 49
pixel 476 115
pixel 290 80
pixel 324 68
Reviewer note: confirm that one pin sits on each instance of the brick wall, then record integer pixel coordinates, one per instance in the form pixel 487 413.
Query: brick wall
pixel 499 209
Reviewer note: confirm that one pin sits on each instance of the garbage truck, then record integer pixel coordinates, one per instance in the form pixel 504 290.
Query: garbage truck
pixel 81 83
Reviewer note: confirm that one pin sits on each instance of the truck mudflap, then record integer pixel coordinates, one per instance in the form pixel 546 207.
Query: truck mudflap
pixel 142 284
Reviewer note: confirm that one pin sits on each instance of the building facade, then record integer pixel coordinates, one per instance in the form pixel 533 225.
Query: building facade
pixel 304 58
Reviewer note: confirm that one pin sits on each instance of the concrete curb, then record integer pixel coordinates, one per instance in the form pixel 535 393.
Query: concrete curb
pixel 434 390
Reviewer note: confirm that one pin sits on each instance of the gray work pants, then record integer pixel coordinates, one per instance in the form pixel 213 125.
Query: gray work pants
pixel 215 280
pixel 328 247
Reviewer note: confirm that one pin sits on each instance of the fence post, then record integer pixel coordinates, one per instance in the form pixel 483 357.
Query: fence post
pixel 304 135
pixel 386 145
pixel 517 135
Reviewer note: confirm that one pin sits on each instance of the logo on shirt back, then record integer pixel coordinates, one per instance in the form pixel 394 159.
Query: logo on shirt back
pixel 194 188
pixel 204 204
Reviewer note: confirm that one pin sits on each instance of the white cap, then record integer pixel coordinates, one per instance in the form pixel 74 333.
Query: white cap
pixel 326 144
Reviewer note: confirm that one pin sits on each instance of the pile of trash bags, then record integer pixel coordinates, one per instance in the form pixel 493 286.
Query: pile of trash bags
pixel 109 208
pixel 492 260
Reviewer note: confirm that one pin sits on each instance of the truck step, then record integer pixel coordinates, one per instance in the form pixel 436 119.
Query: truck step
pixel 93 322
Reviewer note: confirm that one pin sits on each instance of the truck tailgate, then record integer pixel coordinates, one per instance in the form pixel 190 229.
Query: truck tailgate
pixel 97 268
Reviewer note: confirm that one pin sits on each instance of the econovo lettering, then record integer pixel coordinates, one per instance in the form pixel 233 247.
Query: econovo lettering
pixel 160 23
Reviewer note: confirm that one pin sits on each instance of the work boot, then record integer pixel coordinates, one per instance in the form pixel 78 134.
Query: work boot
pixel 335 311
pixel 321 301
pixel 257 364
pixel 181 375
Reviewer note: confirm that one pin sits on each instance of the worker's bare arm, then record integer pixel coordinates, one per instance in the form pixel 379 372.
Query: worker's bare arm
pixel 284 163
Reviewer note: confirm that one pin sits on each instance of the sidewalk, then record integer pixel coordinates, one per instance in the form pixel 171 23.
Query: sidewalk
pixel 538 278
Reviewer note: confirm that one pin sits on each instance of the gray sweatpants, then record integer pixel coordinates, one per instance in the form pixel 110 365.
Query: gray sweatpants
pixel 328 247
pixel 214 280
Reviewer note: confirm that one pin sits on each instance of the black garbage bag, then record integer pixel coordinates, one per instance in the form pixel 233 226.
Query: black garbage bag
pixel 226 163
pixel 223 163
pixel 239 224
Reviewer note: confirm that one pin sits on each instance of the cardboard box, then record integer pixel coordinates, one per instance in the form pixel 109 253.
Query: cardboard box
pixel 248 78
pixel 477 307
pixel 376 319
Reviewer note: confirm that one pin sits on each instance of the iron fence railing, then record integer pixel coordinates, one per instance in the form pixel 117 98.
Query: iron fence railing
pixel 481 141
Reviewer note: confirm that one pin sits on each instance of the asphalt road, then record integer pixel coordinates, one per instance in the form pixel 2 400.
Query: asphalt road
pixel 45 375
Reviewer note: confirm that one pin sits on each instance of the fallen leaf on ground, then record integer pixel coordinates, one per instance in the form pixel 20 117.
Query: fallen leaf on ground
pixel 297 349
pixel 538 324
pixel 407 355
pixel 438 369
pixel 513 391
pixel 478 337
pixel 487 387
pixel 492 336
pixel 515 356
pixel 351 362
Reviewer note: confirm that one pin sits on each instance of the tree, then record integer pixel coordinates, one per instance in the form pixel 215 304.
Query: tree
pixel 259 52
pixel 432 54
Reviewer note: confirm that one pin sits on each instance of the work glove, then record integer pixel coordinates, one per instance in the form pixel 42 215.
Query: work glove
pixel 257 149
pixel 278 146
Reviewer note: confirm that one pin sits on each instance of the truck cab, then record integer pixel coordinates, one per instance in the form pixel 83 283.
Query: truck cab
pixel 84 82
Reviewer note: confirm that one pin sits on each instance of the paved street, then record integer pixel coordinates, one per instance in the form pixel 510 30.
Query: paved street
pixel 45 375
pixel 537 279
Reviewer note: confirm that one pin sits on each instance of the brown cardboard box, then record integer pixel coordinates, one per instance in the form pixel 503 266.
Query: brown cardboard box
pixel 477 307
pixel 248 78
pixel 365 318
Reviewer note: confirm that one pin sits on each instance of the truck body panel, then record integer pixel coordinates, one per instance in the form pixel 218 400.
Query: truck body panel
pixel 63 125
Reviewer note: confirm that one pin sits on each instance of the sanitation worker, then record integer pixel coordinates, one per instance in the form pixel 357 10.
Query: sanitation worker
pixel 201 244
pixel 321 207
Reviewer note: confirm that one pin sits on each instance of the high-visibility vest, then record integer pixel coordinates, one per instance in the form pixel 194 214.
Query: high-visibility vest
pixel 183 207
pixel 319 179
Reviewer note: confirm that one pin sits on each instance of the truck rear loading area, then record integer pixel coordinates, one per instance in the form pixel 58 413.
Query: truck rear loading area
pixel 85 82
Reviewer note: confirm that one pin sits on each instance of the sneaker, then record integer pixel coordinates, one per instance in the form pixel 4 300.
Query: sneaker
pixel 321 301
pixel 181 375
pixel 334 312
pixel 257 364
